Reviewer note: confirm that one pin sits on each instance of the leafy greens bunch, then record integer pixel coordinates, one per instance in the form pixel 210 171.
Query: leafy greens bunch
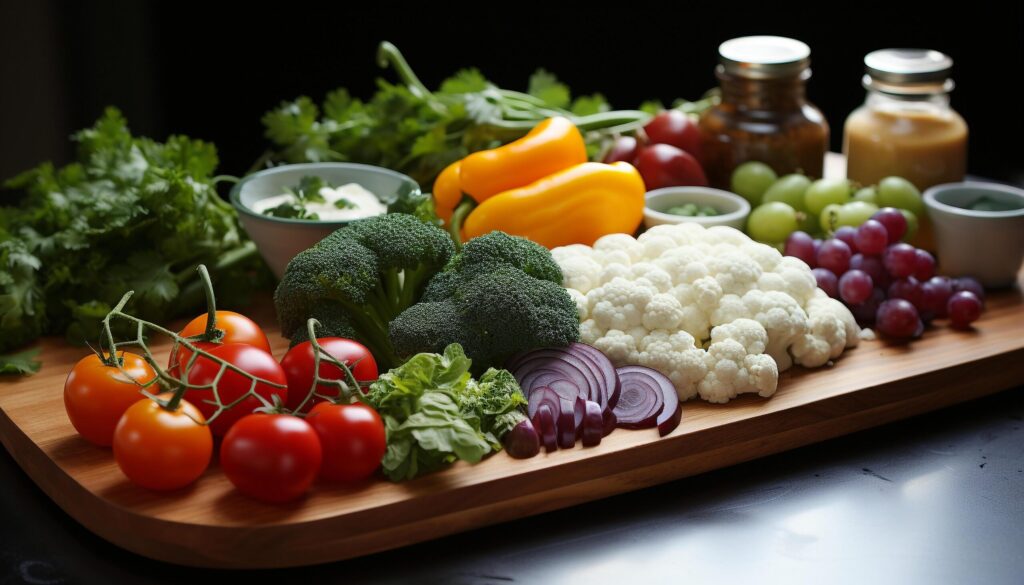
pixel 408 128
pixel 129 213
pixel 435 413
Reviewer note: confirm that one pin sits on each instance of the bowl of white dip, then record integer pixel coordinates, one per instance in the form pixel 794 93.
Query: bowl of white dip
pixel 283 219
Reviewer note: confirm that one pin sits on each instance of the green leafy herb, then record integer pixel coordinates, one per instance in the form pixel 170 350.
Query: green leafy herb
pixel 308 189
pixel 128 213
pixel 20 363
pixel 291 210
pixel 345 204
pixel 435 413
pixel 416 131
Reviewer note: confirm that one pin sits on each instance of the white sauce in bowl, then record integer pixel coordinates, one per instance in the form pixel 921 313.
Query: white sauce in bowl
pixel 363 203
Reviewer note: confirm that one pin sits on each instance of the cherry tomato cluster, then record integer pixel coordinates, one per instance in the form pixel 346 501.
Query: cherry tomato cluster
pixel 164 442
pixel 667 153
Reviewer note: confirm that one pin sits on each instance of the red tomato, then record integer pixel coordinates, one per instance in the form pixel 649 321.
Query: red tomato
pixel 352 437
pixel 159 449
pixel 271 457
pixel 663 165
pixel 233 385
pixel 675 128
pixel 96 395
pixel 298 368
pixel 237 329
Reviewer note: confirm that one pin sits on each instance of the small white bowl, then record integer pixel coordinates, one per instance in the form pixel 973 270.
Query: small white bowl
pixel 988 245
pixel 733 209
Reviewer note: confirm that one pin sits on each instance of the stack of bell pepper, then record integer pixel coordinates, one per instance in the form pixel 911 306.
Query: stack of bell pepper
pixel 540 187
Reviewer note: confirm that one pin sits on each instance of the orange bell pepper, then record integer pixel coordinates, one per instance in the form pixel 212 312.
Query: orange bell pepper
pixel 577 205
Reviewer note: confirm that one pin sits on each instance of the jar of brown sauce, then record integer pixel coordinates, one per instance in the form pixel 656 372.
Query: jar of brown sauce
pixel 906 127
pixel 763 114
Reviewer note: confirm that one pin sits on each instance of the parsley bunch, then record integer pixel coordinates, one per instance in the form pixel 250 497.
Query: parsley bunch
pixel 129 214
pixel 410 129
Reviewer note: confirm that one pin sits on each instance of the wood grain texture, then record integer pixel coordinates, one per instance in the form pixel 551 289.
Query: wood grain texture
pixel 210 525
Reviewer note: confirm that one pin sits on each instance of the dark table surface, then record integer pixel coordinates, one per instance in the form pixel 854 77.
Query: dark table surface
pixel 934 499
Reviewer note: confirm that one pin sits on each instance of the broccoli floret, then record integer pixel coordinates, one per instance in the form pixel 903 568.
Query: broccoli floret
pixel 491 307
pixel 500 248
pixel 357 279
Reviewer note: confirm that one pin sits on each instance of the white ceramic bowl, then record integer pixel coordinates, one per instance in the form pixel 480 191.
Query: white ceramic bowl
pixel 279 239
pixel 733 209
pixel 988 245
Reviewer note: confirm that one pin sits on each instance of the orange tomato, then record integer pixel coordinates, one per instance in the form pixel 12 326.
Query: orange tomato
pixel 237 328
pixel 96 395
pixel 160 449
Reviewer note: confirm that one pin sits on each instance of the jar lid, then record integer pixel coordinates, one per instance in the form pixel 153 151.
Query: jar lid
pixel 908 73
pixel 764 57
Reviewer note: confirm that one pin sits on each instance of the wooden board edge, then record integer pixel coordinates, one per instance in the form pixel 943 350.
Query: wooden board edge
pixel 286 545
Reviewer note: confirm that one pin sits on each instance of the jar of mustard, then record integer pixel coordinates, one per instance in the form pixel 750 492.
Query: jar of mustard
pixel 763 114
pixel 906 126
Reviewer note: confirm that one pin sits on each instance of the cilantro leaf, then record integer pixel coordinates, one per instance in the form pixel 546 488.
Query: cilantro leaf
pixel 545 85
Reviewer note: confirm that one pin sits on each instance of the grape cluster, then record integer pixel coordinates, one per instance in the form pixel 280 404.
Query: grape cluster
pixel 885 282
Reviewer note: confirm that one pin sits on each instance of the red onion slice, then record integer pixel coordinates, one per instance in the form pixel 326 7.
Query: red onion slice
pixel 544 422
pixel 642 397
pixel 593 424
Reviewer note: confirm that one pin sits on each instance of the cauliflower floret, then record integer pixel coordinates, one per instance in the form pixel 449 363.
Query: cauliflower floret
pixel 735 365
pixel 582 305
pixel 613 243
pixel 563 253
pixel 590 332
pixel 735 272
pixel 612 271
pixel 684 264
pixel 767 257
pixel 652 274
pixel 620 347
pixel 791 276
pixel 655 245
pixel 683 233
pixel 675 354
pixel 663 312
pixel 777 312
pixel 832 328
pixel 620 304
pixel 581 273
pixel 721 234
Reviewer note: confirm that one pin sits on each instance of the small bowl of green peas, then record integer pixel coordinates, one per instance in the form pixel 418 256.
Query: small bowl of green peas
pixel 703 205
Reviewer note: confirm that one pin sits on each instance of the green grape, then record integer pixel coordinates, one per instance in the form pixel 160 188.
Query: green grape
pixel 772 222
pixel 911 225
pixel 751 179
pixel 855 213
pixel 900 193
pixel 868 194
pixel 789 190
pixel 825 192
pixel 828 219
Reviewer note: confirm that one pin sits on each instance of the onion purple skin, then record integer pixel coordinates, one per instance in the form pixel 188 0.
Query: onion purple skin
pixel 544 422
pixel 593 424
pixel 522 442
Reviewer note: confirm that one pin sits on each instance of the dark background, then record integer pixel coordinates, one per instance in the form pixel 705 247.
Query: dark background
pixel 211 69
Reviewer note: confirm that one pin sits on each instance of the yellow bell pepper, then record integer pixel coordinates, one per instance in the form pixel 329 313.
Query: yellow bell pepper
pixel 577 205
pixel 551 146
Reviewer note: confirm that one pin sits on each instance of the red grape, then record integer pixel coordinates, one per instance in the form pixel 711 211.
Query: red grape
pixel 964 308
pixel 898 318
pixel 675 128
pixel 969 284
pixel 908 288
pixel 935 294
pixel 624 148
pixel 834 255
pixel 663 165
pixel 864 313
pixel 827 282
pixel 872 265
pixel 899 260
pixel 847 234
pixel 855 287
pixel 872 237
pixel 924 265
pixel 894 221
pixel 800 245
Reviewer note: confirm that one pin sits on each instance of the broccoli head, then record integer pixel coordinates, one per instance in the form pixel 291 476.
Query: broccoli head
pixel 357 279
pixel 488 301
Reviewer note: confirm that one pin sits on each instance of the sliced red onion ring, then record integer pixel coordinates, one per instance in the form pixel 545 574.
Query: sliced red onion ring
pixel 593 424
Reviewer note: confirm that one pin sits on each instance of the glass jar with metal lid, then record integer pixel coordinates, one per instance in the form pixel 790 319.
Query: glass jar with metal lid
pixel 763 114
pixel 906 126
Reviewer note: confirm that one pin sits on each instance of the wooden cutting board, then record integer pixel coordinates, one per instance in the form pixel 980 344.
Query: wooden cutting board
pixel 210 525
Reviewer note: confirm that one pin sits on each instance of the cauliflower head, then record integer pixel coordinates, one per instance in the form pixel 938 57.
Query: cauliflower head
pixel 716 312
